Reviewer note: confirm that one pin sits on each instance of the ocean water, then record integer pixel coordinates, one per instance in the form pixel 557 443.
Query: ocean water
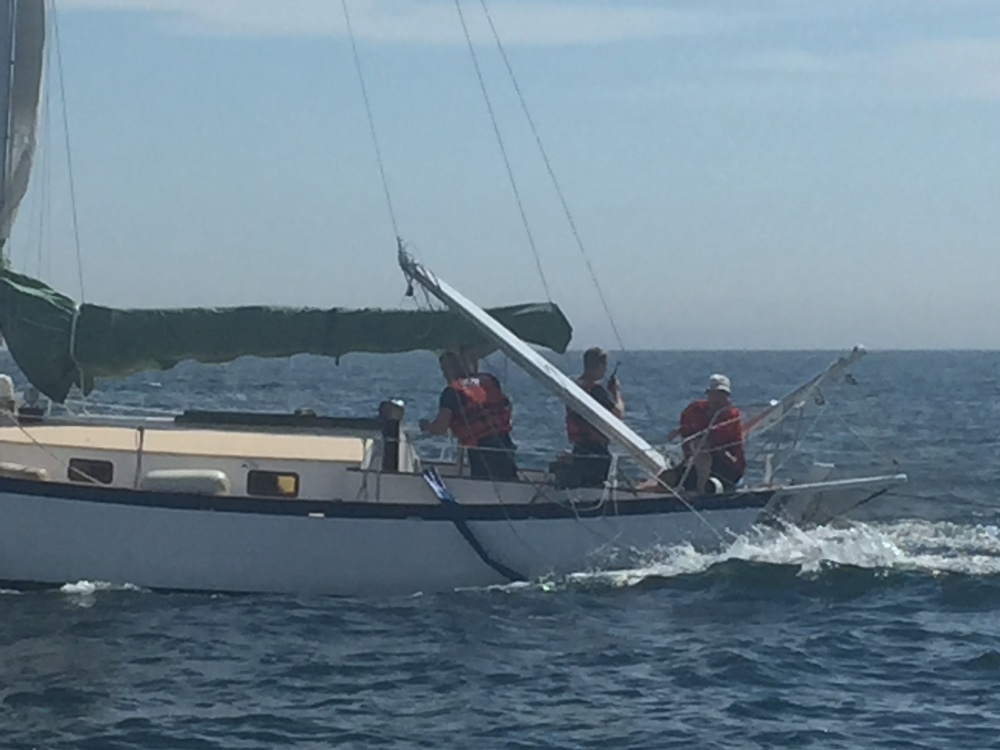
pixel 880 631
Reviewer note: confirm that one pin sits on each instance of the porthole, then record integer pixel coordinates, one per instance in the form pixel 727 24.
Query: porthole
pixel 90 471
pixel 272 484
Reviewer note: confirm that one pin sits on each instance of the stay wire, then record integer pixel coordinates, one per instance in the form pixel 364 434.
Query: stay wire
pixel 872 448
pixel 371 122
pixel 12 420
pixel 45 207
pixel 69 153
pixel 871 397
pixel 552 176
pixel 503 150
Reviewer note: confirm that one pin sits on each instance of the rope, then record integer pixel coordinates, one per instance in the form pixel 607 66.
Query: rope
pixel 867 444
pixel 39 213
pixel 86 408
pixel 496 490
pixel 45 199
pixel 12 418
pixel 45 210
pixel 559 192
pixel 802 433
pixel 552 176
pixel 698 514
pixel 799 437
pixel 371 121
pixel 503 150
pixel 869 396
pixel 445 496
pixel 425 300
pixel 72 338
pixel 69 157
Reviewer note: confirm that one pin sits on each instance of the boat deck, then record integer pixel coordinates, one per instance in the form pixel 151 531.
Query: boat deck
pixel 191 442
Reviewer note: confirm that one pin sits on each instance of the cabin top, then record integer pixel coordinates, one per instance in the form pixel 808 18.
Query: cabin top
pixel 191 442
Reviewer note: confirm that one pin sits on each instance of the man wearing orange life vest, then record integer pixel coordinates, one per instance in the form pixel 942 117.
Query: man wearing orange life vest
pixel 591 458
pixel 712 434
pixel 478 413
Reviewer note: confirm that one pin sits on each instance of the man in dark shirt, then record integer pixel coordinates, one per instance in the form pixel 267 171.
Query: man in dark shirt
pixel 591 458
pixel 478 413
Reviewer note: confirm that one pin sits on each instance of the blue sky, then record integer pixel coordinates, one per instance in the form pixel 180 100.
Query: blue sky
pixel 743 173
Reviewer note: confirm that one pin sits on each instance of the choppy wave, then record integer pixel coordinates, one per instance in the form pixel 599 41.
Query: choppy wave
pixel 85 593
pixel 909 546
pixel 874 635
pixel 93 587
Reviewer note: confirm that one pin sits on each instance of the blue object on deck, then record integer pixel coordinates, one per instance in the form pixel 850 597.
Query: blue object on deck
pixel 446 497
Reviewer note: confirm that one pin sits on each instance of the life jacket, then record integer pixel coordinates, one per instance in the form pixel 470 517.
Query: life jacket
pixel 486 411
pixel 725 433
pixel 579 430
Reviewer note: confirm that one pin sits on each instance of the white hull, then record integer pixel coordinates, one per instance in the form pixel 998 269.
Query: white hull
pixel 57 533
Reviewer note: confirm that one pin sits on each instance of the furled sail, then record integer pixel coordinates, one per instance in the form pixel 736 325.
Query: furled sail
pixel 58 345
pixel 22 46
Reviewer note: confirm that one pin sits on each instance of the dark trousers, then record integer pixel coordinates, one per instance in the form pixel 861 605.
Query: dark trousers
pixel 721 470
pixel 493 458
pixel 591 463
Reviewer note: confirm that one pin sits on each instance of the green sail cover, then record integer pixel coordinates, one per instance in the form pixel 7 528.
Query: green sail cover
pixel 37 323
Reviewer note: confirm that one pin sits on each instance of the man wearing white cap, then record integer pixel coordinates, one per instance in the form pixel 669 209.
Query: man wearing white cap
pixel 712 435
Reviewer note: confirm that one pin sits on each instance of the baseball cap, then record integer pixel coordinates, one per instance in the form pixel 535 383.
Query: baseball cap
pixel 719 383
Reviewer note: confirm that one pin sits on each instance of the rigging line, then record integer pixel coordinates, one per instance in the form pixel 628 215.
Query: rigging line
pixel 411 291
pixel 676 492
pixel 46 174
pixel 45 249
pixel 69 157
pixel 371 121
pixel 690 506
pixel 868 396
pixel 510 524
pixel 875 451
pixel 448 499
pixel 552 176
pixel 43 168
pixel 12 421
pixel 799 438
pixel 87 407
pixel 503 150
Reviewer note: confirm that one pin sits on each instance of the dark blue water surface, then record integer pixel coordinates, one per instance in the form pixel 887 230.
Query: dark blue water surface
pixel 882 631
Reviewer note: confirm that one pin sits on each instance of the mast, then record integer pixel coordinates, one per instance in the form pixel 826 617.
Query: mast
pixel 537 367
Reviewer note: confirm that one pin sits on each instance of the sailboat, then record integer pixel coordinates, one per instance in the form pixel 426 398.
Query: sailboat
pixel 302 503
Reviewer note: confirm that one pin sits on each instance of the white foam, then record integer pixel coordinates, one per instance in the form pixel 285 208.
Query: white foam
pixel 933 548
pixel 89 588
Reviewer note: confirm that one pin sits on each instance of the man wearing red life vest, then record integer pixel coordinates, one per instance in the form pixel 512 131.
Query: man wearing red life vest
pixel 478 413
pixel 712 434
pixel 591 458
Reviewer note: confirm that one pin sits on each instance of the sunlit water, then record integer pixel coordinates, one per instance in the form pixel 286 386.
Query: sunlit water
pixel 882 630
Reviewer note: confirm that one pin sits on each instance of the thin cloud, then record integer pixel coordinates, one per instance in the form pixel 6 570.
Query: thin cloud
pixel 425 21
pixel 945 70
pixel 964 68
pixel 949 69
